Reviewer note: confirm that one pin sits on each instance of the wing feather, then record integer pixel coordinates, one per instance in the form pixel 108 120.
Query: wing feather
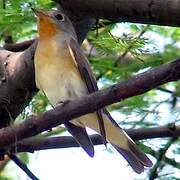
pixel 88 77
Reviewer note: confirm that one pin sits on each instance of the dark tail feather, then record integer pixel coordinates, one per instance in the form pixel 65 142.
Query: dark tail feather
pixel 135 157
pixel 140 155
pixel 81 136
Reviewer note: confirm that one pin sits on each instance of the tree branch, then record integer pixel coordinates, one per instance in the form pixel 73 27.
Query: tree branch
pixel 15 47
pixel 83 14
pixel 36 144
pixel 23 166
pixel 133 86
pixel 158 12
pixel 170 161
pixel 162 152
pixel 18 84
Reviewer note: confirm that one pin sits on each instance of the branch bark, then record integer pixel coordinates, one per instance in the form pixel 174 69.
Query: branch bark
pixel 15 47
pixel 18 85
pixel 83 14
pixel 36 144
pixel 133 86
pixel 160 12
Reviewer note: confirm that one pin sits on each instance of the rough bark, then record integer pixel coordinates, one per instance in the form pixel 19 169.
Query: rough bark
pixel 15 47
pixel 90 103
pixel 161 12
pixel 17 85
pixel 36 144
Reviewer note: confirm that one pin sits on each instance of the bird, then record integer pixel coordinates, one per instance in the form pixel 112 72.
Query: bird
pixel 63 73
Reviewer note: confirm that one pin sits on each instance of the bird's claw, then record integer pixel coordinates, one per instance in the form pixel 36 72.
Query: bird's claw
pixel 50 130
pixel 2 154
pixel 63 103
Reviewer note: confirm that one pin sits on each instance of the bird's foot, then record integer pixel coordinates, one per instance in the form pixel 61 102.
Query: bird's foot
pixel 2 154
pixel 49 130
pixel 63 103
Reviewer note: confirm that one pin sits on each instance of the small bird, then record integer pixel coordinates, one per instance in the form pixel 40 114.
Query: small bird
pixel 63 73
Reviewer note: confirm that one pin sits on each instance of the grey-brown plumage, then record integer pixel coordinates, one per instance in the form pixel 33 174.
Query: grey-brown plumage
pixel 63 73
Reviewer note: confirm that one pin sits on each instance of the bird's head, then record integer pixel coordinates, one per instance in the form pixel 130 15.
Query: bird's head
pixel 53 23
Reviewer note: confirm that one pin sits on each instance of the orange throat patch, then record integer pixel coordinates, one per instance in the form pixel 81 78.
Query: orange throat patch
pixel 46 28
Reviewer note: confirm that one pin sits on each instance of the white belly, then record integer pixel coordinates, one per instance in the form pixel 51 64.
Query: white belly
pixel 62 86
pixel 58 76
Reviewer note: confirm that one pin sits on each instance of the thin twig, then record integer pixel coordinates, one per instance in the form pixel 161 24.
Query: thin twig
pixel 131 45
pixel 154 173
pixel 23 166
pixel 126 51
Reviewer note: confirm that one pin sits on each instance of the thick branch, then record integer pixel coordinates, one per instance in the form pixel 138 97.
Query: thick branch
pixel 34 144
pixel 83 14
pixel 15 47
pixel 18 85
pixel 161 12
pixel 60 114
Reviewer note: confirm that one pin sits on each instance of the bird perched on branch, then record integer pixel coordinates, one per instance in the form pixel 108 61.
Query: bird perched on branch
pixel 63 73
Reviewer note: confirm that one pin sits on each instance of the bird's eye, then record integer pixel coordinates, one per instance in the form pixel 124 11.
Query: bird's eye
pixel 59 17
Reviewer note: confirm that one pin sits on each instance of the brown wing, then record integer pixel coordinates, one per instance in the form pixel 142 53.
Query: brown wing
pixel 83 66
pixel 88 77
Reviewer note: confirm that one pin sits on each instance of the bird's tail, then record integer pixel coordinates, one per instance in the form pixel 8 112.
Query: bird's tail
pixel 80 135
pixel 119 139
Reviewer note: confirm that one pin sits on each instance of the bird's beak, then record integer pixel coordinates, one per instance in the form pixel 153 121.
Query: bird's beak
pixel 39 13
pixel 46 25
